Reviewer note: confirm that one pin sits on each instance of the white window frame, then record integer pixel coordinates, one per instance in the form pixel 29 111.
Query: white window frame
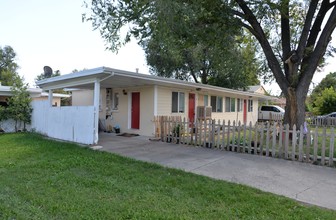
pixel 218 105
pixel 180 102
pixel 239 105
pixel 250 105
pixel 230 104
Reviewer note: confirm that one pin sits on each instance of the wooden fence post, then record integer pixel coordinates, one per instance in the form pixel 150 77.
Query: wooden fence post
pixel 294 142
pixel 331 148
pixel 323 146
pixel 274 139
pixel 256 139
pixel 286 141
pixel 250 138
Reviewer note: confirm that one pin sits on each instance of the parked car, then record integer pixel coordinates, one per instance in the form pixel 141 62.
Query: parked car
pixel 328 119
pixel 270 112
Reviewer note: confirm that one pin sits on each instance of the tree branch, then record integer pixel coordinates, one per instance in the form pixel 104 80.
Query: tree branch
pixel 316 28
pixel 261 37
pixel 312 61
pixel 305 32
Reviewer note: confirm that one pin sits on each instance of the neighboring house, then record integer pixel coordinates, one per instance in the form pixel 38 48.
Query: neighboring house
pixel 129 100
pixel 35 93
pixel 280 102
pixel 257 89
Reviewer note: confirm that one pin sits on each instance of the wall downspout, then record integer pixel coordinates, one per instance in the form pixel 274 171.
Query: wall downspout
pixel 155 104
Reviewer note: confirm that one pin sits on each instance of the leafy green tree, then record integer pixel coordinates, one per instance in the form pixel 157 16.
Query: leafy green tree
pixel 19 104
pixel 183 42
pixel 326 102
pixel 3 116
pixel 327 82
pixel 8 66
pixel 293 35
pixel 43 76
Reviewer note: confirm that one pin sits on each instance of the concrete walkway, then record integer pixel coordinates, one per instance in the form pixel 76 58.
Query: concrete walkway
pixel 300 181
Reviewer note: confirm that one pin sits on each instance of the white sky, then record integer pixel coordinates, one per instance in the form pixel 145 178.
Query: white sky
pixel 51 32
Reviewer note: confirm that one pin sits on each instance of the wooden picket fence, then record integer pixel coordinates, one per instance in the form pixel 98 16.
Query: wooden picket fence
pixel 314 145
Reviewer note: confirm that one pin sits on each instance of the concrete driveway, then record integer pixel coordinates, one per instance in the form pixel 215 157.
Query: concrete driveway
pixel 300 181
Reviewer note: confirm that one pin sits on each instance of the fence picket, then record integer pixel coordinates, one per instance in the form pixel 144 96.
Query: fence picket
pixel 255 145
pixel 223 135
pixel 315 144
pixel 244 139
pixel 323 146
pixel 331 147
pixel 274 139
pixel 286 141
pixel 250 138
pixel 239 146
pixel 294 142
pixel 308 143
pixel 267 138
pixel 261 139
pixel 233 136
pixel 228 136
pixel 281 133
pixel 301 144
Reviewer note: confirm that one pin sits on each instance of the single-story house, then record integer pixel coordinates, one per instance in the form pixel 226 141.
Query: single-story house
pixel 35 93
pixel 129 100
pixel 257 89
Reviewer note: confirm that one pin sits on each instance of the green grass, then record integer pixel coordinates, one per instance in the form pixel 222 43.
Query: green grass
pixel 45 179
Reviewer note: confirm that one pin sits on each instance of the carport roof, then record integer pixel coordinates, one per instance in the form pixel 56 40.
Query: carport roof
pixel 114 78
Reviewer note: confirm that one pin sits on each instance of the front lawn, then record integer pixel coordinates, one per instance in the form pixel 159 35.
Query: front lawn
pixel 46 179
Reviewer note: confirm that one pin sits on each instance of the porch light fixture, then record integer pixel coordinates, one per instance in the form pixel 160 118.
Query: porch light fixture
pixel 124 92
pixel 198 89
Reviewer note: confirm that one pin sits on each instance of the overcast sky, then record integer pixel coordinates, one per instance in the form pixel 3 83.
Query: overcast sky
pixel 51 32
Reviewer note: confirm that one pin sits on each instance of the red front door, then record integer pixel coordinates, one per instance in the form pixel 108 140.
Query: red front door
pixel 245 111
pixel 191 112
pixel 135 120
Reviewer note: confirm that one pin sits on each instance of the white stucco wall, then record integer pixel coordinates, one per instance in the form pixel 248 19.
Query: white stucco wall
pixel 122 116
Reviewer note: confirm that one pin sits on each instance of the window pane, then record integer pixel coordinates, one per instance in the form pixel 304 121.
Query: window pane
pixel 239 105
pixel 219 104
pixel 115 101
pixel 213 103
pixel 181 102
pixel 206 101
pixel 233 105
pixel 250 105
pixel 227 104
pixel 174 101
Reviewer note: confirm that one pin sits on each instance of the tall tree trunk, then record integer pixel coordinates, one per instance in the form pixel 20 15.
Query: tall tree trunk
pixel 295 107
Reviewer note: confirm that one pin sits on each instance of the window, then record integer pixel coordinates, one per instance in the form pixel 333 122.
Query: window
pixel 177 102
pixel 230 104
pixel 233 104
pixel 206 100
pixel 115 101
pixel 250 105
pixel 216 104
pixel 239 105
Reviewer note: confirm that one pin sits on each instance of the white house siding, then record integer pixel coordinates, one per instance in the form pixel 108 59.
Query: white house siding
pixel 82 97
pixel 71 123
pixel 56 100
pixel 85 98
pixel 122 116
pixel 165 101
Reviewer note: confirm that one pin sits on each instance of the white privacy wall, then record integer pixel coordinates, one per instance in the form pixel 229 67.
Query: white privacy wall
pixel 70 123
